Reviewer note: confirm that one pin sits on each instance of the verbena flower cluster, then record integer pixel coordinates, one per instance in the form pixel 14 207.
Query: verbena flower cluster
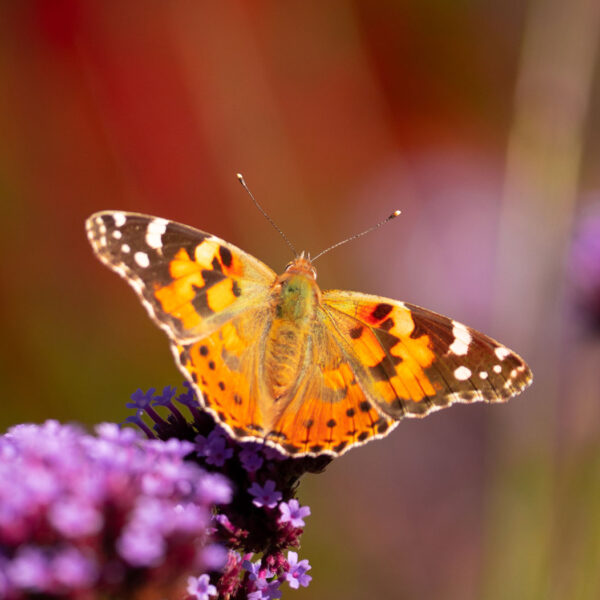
pixel 186 514
pixel 263 520
pixel 85 516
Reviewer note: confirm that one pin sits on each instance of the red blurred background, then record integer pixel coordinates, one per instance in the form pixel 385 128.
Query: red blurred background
pixel 478 120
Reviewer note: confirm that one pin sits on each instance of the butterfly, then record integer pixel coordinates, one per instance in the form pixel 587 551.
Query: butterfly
pixel 275 359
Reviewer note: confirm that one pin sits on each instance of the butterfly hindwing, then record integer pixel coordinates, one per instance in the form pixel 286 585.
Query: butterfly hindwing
pixel 191 282
pixel 329 411
pixel 412 361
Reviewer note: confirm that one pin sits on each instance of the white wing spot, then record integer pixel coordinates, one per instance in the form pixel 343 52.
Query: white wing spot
pixel 462 339
pixel 502 352
pixel 120 219
pixel 514 373
pixel 497 369
pixel 483 374
pixel 117 234
pixel 125 249
pixel 205 252
pixel 462 373
pixel 141 258
pixel 154 233
pixel 102 240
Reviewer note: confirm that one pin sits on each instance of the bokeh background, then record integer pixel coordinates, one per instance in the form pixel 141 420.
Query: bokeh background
pixel 479 120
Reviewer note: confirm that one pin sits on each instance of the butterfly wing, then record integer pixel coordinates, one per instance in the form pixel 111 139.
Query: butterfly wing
pixel 190 282
pixel 211 299
pixel 411 361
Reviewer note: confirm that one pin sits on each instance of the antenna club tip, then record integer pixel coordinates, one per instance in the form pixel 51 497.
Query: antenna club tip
pixel 239 176
pixel 395 214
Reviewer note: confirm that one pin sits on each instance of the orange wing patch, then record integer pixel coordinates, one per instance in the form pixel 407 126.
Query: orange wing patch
pixel 201 285
pixel 383 338
pixel 330 417
pixel 328 412
pixel 429 361
pixel 223 367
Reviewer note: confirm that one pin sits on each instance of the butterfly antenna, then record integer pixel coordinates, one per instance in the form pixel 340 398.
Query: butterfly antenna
pixel 262 210
pixel 395 214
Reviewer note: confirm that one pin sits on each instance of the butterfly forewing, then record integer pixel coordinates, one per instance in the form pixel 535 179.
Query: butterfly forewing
pixel 191 282
pixel 411 361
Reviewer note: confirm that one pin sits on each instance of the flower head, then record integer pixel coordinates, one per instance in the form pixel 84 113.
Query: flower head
pixel 265 495
pixel 200 588
pixel 78 510
pixel 259 517
pixel 296 574
pixel 293 513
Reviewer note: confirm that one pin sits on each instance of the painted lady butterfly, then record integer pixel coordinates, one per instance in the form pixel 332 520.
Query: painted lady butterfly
pixel 275 359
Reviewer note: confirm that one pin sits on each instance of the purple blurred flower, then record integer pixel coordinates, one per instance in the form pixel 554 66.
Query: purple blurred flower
pixel 296 575
pixel 584 267
pixel 293 513
pixel 86 513
pixel 73 569
pixel 265 495
pixel 200 588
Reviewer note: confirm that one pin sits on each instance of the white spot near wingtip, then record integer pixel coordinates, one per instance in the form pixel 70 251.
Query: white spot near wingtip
pixel 462 373
pixel 120 219
pixel 483 374
pixel 117 234
pixel 154 233
pixel 141 258
pixel 462 339
pixel 501 352
pixel 497 369
pixel 125 249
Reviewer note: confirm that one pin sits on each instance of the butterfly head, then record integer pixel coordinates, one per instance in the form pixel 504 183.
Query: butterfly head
pixel 302 265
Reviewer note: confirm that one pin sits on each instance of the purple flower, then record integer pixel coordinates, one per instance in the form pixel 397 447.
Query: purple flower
pixel 265 495
pixel 188 398
pixel 164 399
pixel 251 460
pixel 214 488
pixel 256 572
pixel 296 575
pixel 270 591
pixel 200 588
pixel 292 512
pixel 214 448
pixel 29 570
pixel 74 517
pixel 73 569
pixel 141 400
pixel 79 514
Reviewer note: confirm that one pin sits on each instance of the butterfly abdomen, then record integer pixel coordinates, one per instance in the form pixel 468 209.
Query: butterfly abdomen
pixel 295 298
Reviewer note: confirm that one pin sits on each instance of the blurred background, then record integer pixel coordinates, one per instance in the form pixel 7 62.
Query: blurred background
pixel 479 120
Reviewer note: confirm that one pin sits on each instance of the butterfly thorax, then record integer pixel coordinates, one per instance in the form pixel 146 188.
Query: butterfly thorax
pixel 295 298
